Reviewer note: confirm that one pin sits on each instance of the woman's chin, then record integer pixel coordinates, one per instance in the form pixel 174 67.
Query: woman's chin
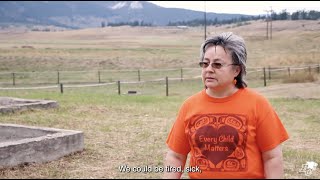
pixel 211 85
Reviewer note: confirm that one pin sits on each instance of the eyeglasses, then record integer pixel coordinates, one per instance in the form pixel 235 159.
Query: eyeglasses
pixel 214 65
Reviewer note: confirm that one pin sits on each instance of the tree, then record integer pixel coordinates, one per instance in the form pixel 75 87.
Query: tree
pixel 303 14
pixel 313 15
pixel 295 15
pixel 283 15
pixel 274 16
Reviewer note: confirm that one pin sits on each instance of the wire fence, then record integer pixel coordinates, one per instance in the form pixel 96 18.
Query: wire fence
pixel 88 77
pixel 135 81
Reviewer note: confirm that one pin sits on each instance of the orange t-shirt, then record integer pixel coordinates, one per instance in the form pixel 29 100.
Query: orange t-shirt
pixel 226 136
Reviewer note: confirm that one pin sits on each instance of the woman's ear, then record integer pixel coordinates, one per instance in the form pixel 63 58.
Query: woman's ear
pixel 237 71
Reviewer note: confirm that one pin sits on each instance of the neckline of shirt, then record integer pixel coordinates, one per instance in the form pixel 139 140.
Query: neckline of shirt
pixel 224 99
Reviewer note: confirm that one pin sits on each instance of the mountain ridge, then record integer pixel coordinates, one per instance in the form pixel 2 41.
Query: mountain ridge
pixel 79 14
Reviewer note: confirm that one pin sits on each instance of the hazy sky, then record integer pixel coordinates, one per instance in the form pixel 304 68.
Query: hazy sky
pixel 242 7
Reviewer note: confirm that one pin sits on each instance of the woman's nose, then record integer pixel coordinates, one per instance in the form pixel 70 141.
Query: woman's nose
pixel 209 68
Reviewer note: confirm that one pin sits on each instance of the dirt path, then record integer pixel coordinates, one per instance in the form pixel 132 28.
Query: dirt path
pixel 292 90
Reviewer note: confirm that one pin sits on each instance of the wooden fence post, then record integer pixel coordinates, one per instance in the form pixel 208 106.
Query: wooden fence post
pixel 167 86
pixel 58 77
pixel 13 79
pixel 61 88
pixel 119 92
pixel 289 71
pixel 99 76
pixel 269 73
pixel 139 74
pixel 264 76
pixel 310 70
pixel 181 74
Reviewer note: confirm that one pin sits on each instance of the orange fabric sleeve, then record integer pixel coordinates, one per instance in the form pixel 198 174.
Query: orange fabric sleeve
pixel 177 139
pixel 270 130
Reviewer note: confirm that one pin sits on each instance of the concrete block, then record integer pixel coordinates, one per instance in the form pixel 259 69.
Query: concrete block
pixel 27 144
pixel 12 105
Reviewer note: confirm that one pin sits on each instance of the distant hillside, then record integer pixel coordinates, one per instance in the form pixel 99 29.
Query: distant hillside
pixel 78 14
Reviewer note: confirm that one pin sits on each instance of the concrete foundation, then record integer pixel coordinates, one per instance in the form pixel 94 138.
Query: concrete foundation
pixel 11 105
pixel 26 144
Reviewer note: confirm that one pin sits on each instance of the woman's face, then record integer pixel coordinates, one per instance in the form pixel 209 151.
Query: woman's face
pixel 216 78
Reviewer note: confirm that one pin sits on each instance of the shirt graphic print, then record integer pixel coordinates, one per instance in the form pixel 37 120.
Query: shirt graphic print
pixel 218 142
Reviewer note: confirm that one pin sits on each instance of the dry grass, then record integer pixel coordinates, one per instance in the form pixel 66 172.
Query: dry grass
pixel 117 132
pixel 152 47
pixel 300 78
pixel 132 129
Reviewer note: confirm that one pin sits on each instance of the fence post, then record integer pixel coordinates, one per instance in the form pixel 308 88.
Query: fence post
pixel 310 70
pixel 13 79
pixel 269 73
pixel 289 71
pixel 264 76
pixel 58 77
pixel 119 87
pixel 167 86
pixel 61 88
pixel 181 74
pixel 318 68
pixel 99 76
pixel 139 74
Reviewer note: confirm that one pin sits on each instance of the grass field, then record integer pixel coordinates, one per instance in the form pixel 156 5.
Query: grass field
pixel 293 43
pixel 132 129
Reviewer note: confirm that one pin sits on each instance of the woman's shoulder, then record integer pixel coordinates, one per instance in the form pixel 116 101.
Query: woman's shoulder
pixel 252 94
pixel 195 97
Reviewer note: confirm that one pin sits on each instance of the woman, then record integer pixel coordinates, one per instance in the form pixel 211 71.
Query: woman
pixel 229 130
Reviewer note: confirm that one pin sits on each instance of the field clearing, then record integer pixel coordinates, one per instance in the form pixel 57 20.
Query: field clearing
pixel 132 129
pixel 293 43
